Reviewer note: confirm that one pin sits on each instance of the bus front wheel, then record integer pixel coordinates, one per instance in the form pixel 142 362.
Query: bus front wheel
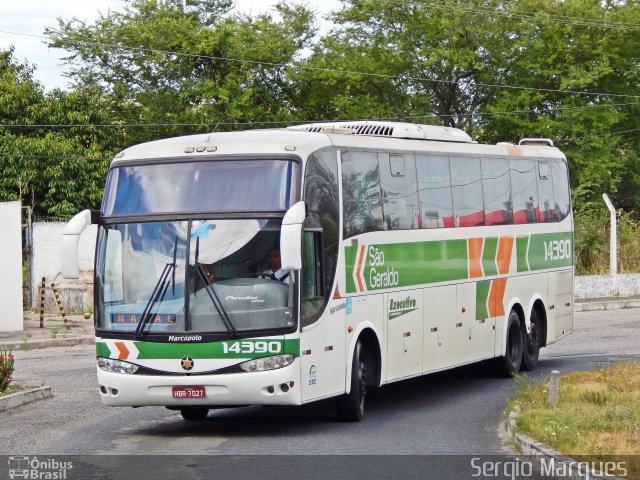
pixel 194 413
pixel 510 363
pixel 350 406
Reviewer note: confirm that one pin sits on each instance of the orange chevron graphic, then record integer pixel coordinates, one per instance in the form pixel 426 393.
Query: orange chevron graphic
pixel 475 257
pixel 123 351
pixel 503 257
pixel 359 268
pixel 496 297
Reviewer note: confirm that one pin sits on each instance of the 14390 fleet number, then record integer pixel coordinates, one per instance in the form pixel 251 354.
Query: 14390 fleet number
pixel 261 346
pixel 557 250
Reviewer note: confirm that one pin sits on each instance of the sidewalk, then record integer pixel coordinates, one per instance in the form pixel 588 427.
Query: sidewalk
pixel 53 334
pixel 608 303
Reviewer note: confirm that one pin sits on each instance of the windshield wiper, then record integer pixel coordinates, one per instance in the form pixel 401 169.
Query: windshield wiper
pixel 159 292
pixel 213 295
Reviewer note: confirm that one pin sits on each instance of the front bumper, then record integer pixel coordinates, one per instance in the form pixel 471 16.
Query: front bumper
pixel 255 388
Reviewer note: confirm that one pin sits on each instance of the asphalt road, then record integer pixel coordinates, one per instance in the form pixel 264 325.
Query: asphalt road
pixel 458 412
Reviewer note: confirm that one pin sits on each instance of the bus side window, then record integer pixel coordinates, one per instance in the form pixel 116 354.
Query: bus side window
pixel 546 210
pixel 399 191
pixel 524 193
pixel 466 185
pixel 434 191
pixel 498 208
pixel 560 180
pixel 311 278
pixel 361 193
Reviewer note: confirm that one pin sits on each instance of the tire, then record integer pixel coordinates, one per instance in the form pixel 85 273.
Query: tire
pixel 350 406
pixel 510 363
pixel 531 344
pixel 194 413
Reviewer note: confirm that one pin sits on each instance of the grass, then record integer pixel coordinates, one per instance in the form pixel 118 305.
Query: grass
pixel 597 416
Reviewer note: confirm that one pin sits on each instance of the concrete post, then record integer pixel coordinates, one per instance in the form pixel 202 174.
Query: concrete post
pixel 613 241
pixel 554 385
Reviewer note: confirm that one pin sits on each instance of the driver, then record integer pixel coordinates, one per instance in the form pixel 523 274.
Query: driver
pixel 275 271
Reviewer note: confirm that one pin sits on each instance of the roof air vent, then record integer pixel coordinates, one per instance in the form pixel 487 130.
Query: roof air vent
pixel 389 129
pixel 536 142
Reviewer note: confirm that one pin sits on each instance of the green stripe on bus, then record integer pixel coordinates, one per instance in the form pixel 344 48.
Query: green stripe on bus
pixel 102 350
pixel 245 348
pixel 522 245
pixel 350 254
pixel 405 264
pixel 550 250
pixel 489 256
pixel 482 296
pixel 397 265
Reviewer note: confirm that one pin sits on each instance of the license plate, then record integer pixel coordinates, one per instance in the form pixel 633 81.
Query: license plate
pixel 188 392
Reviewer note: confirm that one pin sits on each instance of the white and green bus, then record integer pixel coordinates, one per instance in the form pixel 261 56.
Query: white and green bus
pixel 404 250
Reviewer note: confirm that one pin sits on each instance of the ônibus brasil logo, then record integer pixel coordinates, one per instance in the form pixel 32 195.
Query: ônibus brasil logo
pixel 35 468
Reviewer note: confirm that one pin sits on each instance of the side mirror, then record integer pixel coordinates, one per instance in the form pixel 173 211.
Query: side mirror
pixel 291 237
pixel 69 245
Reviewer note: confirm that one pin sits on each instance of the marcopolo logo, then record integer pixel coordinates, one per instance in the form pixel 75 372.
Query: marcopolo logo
pixel 400 307
pixel 37 469
pixel 248 298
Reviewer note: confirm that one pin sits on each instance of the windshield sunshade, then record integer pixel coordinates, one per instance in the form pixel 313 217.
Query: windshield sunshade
pixel 217 186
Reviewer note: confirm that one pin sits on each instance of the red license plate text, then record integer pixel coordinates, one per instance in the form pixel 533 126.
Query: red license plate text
pixel 188 392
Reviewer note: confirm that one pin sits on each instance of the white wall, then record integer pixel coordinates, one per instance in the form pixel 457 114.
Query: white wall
pixel 76 295
pixel 11 267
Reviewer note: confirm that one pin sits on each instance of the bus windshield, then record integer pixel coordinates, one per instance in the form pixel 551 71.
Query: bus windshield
pixel 204 186
pixel 209 276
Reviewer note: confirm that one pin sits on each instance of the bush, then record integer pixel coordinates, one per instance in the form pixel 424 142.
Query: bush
pixel 6 370
pixel 592 230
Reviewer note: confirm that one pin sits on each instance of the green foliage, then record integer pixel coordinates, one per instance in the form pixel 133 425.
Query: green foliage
pixel 6 370
pixel 173 63
pixel 55 170
pixel 502 70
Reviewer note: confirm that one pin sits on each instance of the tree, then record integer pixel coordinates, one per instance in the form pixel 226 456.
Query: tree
pixel 57 171
pixel 188 65
pixel 502 70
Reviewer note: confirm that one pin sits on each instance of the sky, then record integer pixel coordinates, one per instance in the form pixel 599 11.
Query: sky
pixel 22 23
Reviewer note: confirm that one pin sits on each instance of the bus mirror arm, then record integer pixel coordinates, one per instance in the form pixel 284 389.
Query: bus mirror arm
pixel 291 237
pixel 69 244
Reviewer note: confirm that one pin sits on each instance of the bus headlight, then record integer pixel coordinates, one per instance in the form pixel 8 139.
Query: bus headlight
pixel 267 363
pixel 116 366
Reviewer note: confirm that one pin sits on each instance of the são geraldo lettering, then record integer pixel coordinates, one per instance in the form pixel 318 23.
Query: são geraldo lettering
pixel 379 276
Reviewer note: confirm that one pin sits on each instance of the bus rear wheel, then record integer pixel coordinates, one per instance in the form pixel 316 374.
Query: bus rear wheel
pixel 532 342
pixel 194 413
pixel 350 406
pixel 510 363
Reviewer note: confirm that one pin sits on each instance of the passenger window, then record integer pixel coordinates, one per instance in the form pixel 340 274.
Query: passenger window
pixel 545 212
pixel 399 191
pixel 496 188
pixel 524 193
pixel 361 193
pixel 434 191
pixel 560 180
pixel 466 186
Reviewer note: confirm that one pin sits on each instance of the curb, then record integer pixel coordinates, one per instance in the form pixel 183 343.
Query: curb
pixel 46 343
pixel 22 398
pixel 533 448
pixel 591 306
